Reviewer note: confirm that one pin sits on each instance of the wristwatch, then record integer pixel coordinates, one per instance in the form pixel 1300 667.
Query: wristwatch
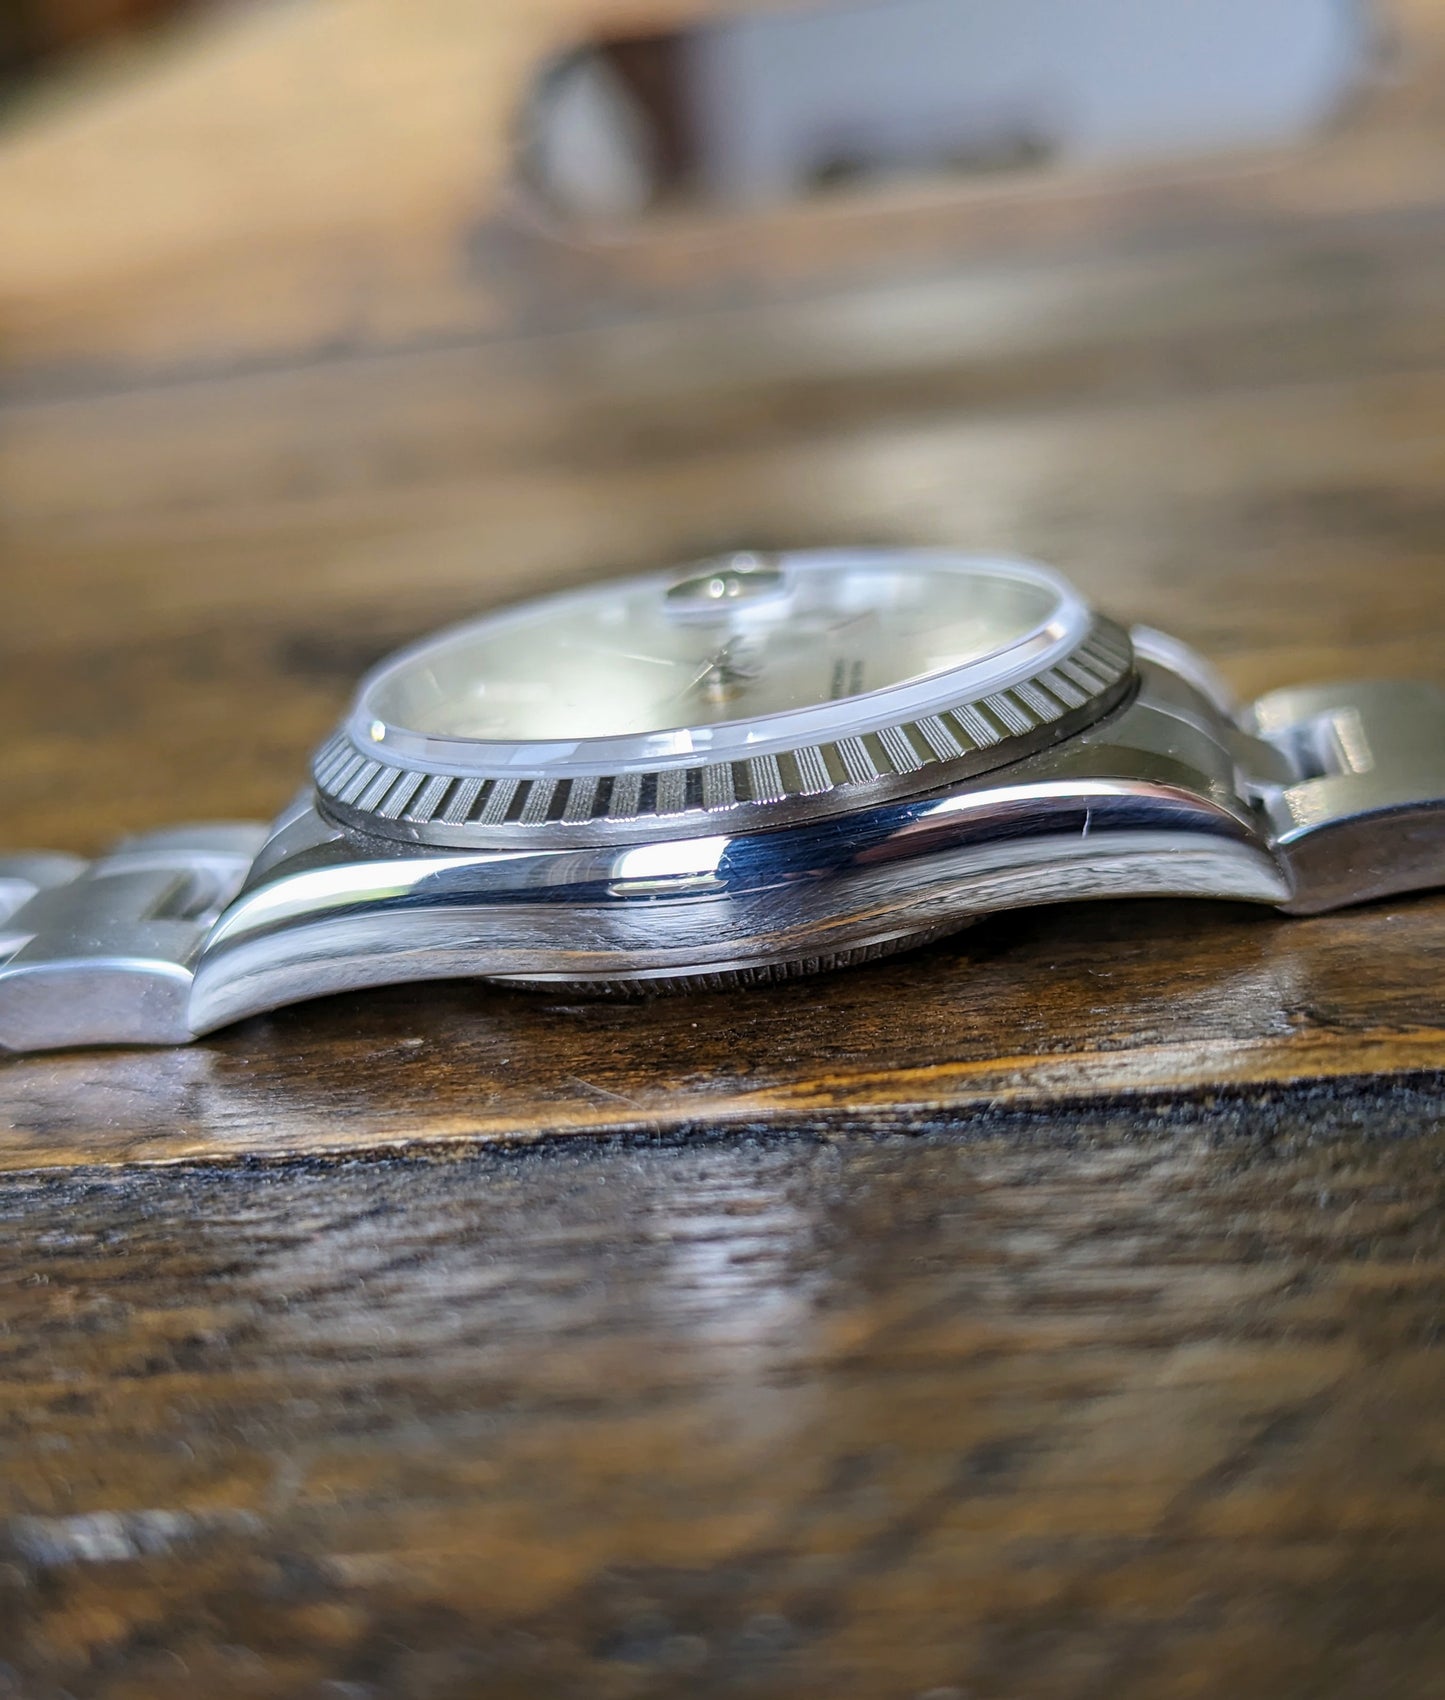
pixel 746 769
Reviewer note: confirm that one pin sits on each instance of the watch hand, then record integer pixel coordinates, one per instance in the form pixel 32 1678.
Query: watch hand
pixel 697 678
pixel 621 654
pixel 720 672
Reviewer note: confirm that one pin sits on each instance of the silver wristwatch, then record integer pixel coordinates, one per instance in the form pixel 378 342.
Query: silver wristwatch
pixel 747 769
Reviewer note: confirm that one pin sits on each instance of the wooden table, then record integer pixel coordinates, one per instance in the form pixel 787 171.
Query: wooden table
pixel 1052 1313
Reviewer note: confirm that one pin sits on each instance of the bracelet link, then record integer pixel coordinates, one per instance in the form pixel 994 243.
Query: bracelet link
pixel 103 952
pixel 1362 814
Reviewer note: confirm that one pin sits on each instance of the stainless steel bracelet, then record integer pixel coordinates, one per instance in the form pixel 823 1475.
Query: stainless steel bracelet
pixel 1363 815
pixel 103 952
pixel 1336 796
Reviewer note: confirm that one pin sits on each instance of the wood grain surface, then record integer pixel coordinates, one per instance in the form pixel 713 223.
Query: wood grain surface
pixel 1133 1414
pixel 1051 1314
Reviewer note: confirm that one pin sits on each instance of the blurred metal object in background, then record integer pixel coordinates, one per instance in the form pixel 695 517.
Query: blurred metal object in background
pixel 763 106
pixel 270 181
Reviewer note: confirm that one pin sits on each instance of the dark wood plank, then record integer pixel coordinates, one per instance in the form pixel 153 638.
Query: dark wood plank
pixel 1066 1414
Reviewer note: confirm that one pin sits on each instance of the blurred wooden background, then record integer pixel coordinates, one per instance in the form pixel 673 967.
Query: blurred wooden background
pixel 290 180
pixel 1053 1313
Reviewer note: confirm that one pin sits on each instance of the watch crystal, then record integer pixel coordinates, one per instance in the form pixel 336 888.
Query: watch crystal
pixel 729 642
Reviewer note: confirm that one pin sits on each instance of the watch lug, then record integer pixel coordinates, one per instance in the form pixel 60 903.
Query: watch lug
pixel 1176 657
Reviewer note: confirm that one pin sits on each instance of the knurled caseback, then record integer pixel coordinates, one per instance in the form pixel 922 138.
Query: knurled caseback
pixel 507 809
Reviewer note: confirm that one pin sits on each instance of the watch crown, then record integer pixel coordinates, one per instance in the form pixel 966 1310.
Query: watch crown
pixel 710 586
